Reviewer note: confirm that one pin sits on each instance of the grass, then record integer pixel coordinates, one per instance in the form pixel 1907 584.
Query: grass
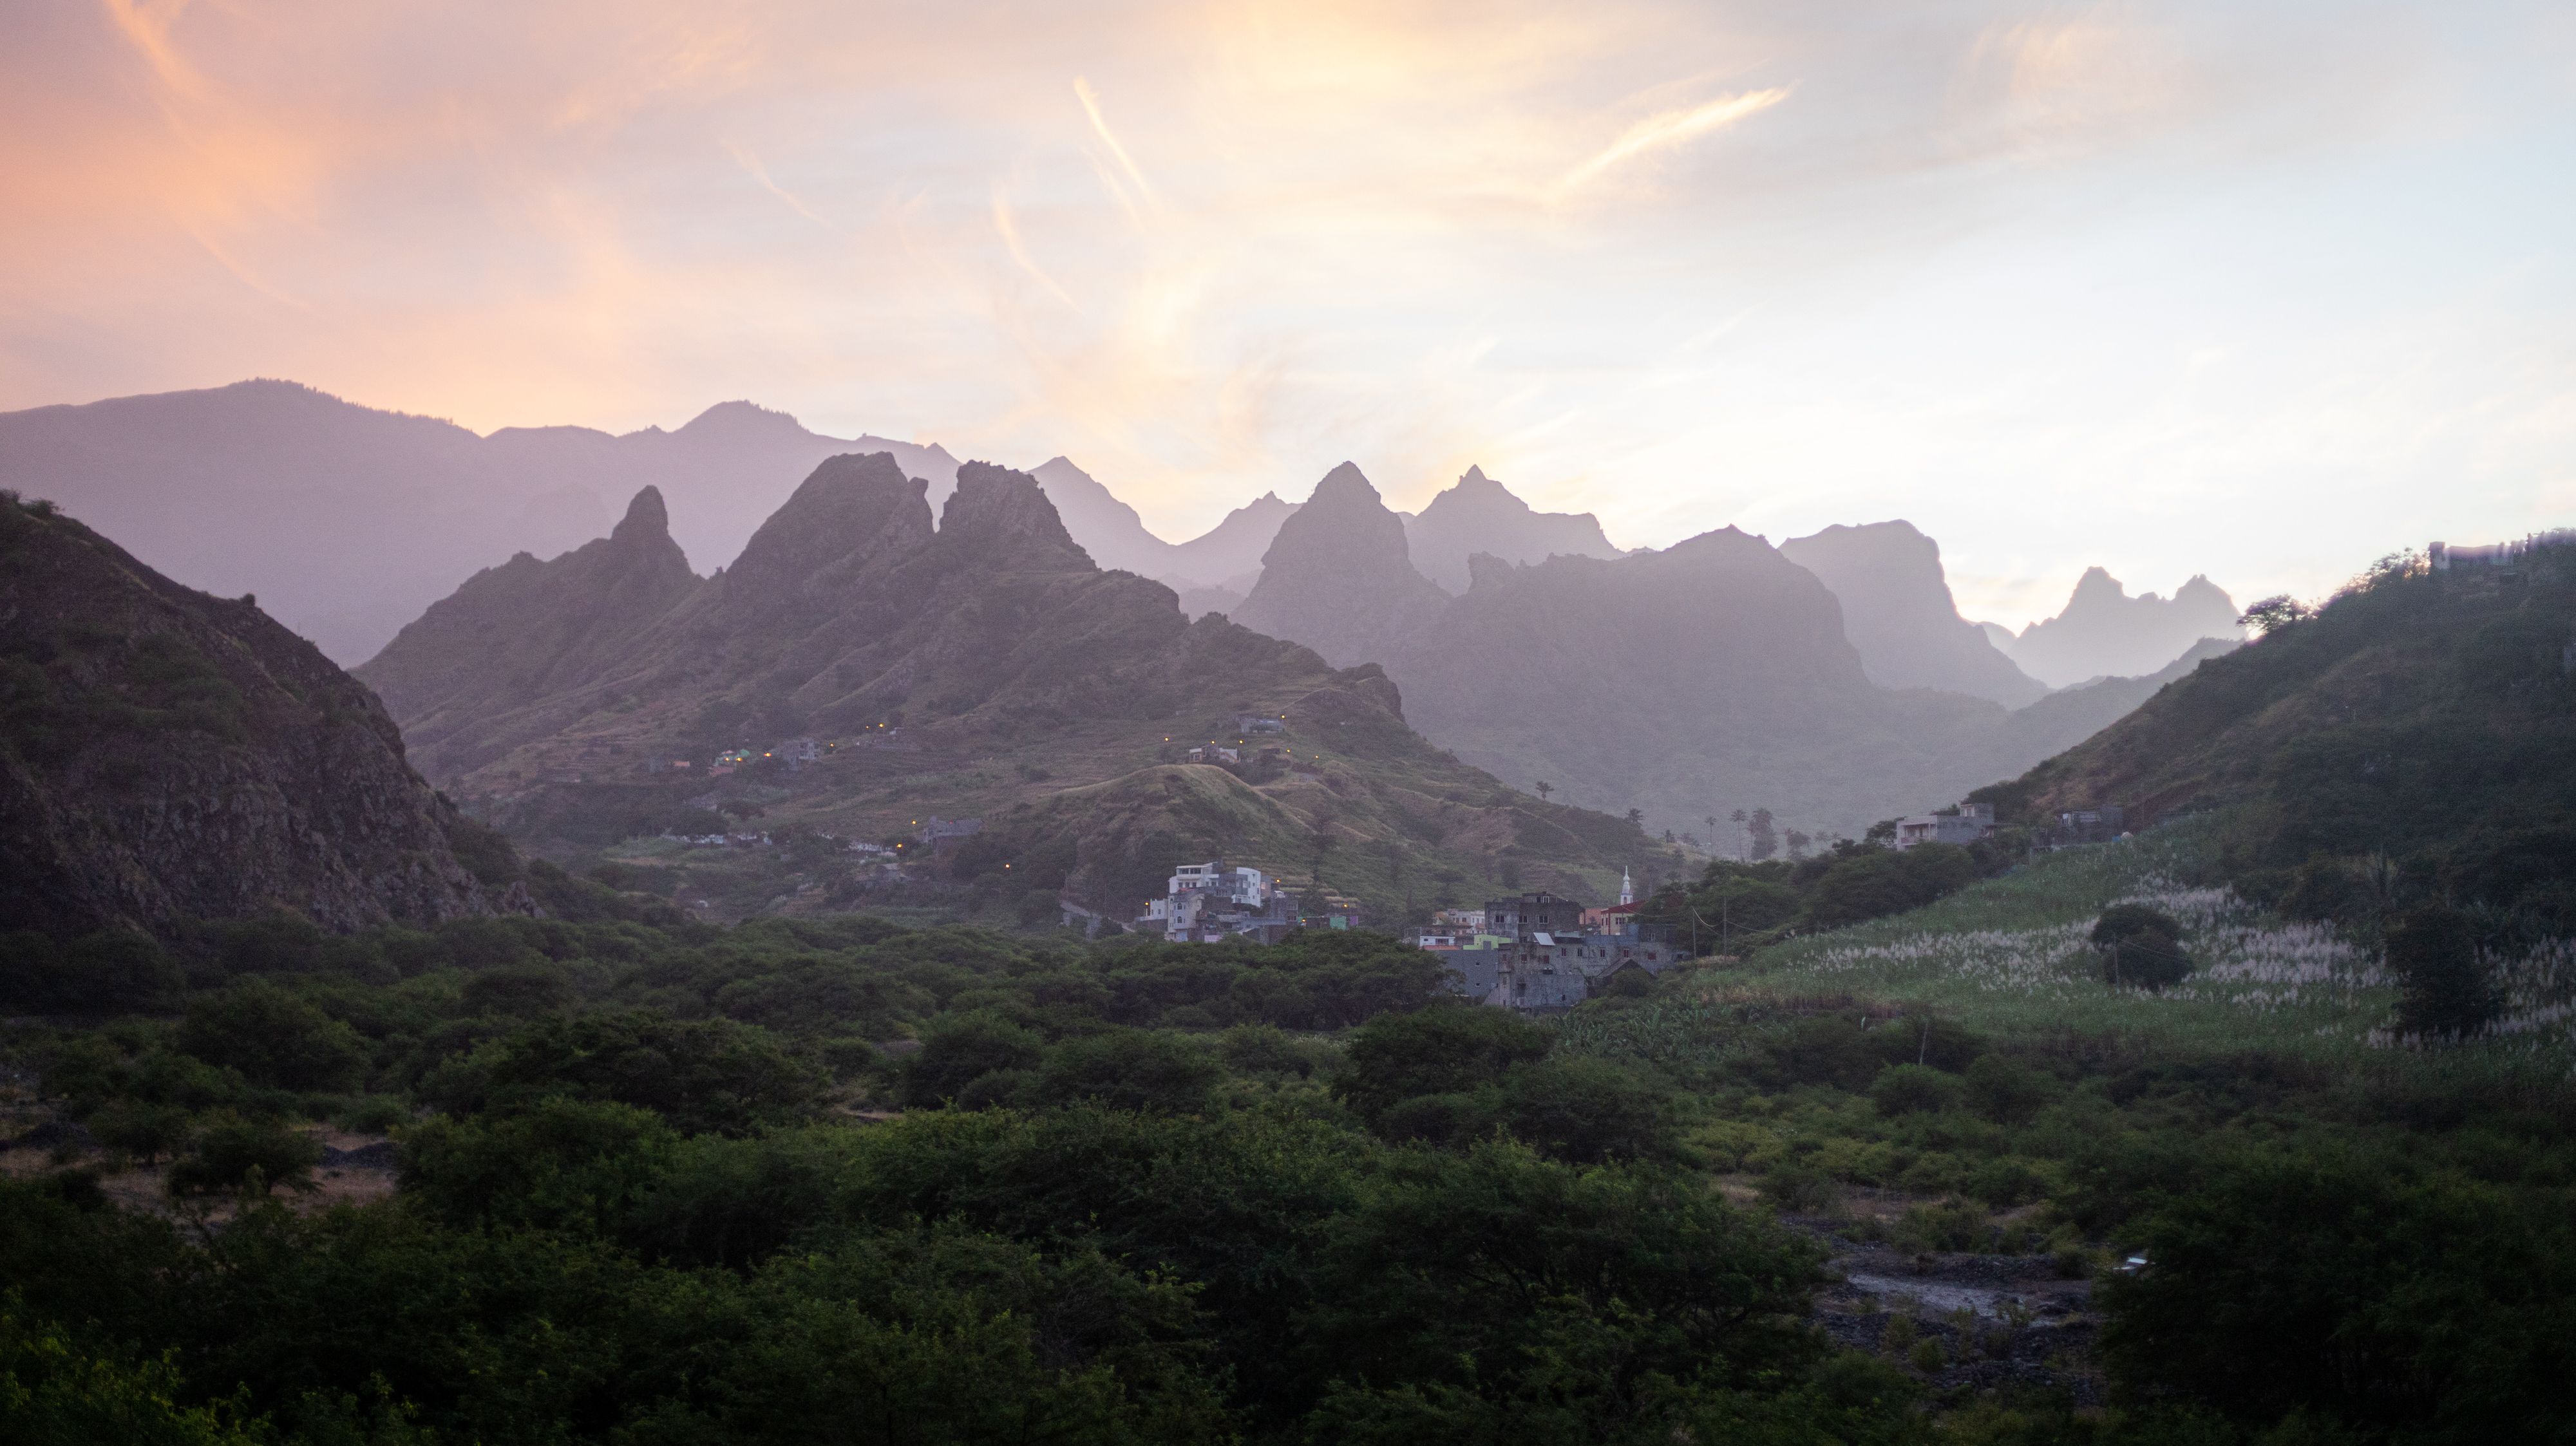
pixel 2009 957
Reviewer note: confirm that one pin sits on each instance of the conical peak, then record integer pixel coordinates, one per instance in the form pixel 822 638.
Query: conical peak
pixel 738 419
pixel 646 519
pixel 1345 484
pixel 1006 519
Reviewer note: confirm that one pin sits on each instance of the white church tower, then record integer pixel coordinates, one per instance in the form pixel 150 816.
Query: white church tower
pixel 1627 890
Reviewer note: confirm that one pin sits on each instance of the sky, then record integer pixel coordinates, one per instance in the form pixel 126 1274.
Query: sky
pixel 2260 291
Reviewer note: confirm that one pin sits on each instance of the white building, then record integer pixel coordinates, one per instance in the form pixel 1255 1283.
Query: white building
pixel 1209 902
pixel 1969 823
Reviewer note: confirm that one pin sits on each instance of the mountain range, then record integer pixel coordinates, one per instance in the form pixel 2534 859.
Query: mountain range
pixel 1712 675
pixel 2105 632
pixel 349 521
pixel 984 666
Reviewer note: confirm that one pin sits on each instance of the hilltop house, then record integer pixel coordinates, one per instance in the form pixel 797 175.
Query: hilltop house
pixel 942 835
pixel 1964 824
pixel 1249 724
pixel 1208 903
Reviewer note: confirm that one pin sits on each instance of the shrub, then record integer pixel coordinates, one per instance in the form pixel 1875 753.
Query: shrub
pixel 1907 1089
pixel 274 1038
pixel 1130 1069
pixel 1445 1049
pixel 703 1075
pixel 233 1153
pixel 1801 1189
pixel 2007 1091
pixel 145 1131
pixel 959 1047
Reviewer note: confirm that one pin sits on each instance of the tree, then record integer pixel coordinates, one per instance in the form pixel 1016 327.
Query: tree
pixel 1637 818
pixel 274 1038
pixel 233 1153
pixel 1544 789
pixel 1130 1069
pixel 1799 843
pixel 2446 989
pixel 962 1048
pixel 2141 947
pixel 2275 613
pixel 1446 1049
pixel 1765 840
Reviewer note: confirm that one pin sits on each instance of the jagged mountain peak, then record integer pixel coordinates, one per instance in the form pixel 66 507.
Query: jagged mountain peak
pixel 852 505
pixel 1479 514
pixel 646 519
pixel 1345 485
pixel 1899 613
pixel 1003 518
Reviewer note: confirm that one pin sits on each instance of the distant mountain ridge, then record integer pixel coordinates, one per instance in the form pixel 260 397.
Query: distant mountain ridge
pixel 1479 515
pixel 171 757
pixel 2104 632
pixel 1898 612
pixel 349 520
pixel 1713 675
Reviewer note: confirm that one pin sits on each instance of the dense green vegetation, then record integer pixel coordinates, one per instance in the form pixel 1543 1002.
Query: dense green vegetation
pixel 844 1180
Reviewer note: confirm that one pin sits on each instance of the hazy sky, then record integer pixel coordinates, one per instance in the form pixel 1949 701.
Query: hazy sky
pixel 2260 290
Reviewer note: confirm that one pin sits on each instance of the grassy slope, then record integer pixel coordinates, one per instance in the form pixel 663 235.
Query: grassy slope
pixel 1407 822
pixel 2008 957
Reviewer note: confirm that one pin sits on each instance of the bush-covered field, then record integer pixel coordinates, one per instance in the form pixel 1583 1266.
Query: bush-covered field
pixel 847 1180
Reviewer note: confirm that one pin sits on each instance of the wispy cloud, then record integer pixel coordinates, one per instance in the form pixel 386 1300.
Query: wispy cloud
pixel 1009 229
pixel 1100 127
pixel 758 172
pixel 1672 128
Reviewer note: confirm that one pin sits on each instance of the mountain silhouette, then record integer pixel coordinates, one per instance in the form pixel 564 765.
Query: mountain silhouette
pixel 2105 632
pixel 1339 577
pixel 1898 612
pixel 347 521
pixel 1480 515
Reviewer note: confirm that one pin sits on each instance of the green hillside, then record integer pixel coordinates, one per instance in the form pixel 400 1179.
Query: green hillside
pixel 2413 740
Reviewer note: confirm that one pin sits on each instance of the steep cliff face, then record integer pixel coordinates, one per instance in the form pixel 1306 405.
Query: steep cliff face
pixel 2105 632
pixel 1339 577
pixel 515 633
pixel 170 756
pixel 1481 515
pixel 1898 612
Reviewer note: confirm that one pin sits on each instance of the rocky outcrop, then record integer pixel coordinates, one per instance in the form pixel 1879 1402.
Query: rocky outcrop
pixel 170 756
pixel 1898 612
pixel 1339 577
pixel 1481 516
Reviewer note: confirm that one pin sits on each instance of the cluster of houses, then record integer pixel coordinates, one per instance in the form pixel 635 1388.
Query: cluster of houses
pixel 1209 903
pixel 1539 953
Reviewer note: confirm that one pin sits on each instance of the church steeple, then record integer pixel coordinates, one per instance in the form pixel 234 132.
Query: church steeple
pixel 1627 891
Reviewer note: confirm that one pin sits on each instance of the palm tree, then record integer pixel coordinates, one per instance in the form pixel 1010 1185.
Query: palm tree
pixel 1544 789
